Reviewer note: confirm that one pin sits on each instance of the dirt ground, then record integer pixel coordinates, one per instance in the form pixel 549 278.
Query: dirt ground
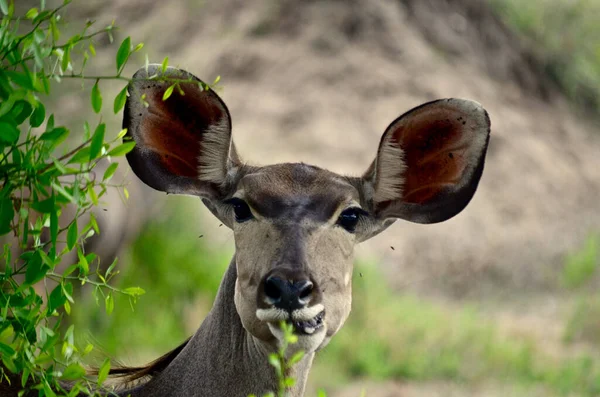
pixel 319 81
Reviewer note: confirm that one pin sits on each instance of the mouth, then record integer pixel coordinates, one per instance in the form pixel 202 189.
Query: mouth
pixel 306 321
pixel 308 327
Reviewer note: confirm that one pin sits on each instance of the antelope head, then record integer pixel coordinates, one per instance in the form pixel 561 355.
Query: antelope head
pixel 296 225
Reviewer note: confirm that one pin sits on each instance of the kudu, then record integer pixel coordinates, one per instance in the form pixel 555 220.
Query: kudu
pixel 295 225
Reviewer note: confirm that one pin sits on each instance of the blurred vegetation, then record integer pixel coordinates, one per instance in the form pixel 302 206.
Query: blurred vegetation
pixel 179 268
pixel 583 324
pixel 580 274
pixel 403 337
pixel 567 36
pixel 580 266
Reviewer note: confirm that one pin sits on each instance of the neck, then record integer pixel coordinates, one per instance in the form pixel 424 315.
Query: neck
pixel 222 359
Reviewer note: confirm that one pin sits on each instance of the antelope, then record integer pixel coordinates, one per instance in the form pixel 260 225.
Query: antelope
pixel 294 225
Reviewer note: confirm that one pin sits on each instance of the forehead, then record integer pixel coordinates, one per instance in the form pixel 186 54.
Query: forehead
pixel 296 190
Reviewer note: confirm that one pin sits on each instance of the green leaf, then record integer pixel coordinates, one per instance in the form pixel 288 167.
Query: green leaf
pixel 8 103
pixel 97 141
pixel 121 134
pixel 96 98
pixel 21 78
pixel 56 135
pixel 67 290
pixel 93 195
pixel 57 187
pixel 7 213
pixel 110 304
pixel 6 350
pixel 86 130
pixel 82 156
pixel 84 265
pixel 275 362
pixel 94 223
pixel 289 382
pixel 165 64
pixel 88 349
pixel 122 149
pixel 110 171
pixel 50 123
pixel 38 115
pixel 44 206
pixel 54 29
pixel 66 59
pixel 36 269
pixel 72 235
pixel 73 372
pixel 32 13
pixel 168 92
pixel 103 371
pixel 4 7
pixel 57 299
pixel 123 53
pixel 296 357
pixel 120 100
pixel 9 133
pixel 59 166
pixel 134 291
pixel 21 111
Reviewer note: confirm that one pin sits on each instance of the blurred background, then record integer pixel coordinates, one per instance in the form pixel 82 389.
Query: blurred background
pixel 502 300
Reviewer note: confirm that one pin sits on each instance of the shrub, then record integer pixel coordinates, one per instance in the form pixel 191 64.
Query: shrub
pixel 43 173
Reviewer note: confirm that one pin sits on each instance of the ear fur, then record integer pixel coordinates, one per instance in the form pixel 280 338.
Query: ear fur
pixel 183 143
pixel 429 162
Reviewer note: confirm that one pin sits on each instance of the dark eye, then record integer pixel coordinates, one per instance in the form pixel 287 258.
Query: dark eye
pixel 241 210
pixel 349 218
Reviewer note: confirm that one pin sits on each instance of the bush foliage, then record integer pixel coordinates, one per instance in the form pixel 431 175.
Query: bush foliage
pixel 48 184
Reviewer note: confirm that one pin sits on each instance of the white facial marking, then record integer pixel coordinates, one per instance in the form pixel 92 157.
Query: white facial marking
pixel 307 313
pixel 272 314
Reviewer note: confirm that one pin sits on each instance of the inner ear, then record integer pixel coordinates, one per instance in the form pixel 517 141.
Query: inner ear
pixel 430 161
pixel 183 143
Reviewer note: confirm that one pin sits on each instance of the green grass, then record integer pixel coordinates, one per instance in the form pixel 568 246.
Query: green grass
pixel 581 265
pixel 390 336
pixel 583 324
pixel 567 36
pixel 580 274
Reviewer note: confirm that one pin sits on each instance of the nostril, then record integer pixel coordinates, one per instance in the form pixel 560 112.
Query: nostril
pixel 273 289
pixel 304 289
pixel 287 294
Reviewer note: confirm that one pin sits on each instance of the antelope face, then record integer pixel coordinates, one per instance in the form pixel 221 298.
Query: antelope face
pixel 295 228
pixel 296 225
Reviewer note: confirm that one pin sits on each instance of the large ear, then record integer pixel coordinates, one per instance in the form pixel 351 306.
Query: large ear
pixel 183 143
pixel 429 162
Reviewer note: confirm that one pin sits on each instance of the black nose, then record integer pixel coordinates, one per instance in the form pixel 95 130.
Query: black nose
pixel 288 295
